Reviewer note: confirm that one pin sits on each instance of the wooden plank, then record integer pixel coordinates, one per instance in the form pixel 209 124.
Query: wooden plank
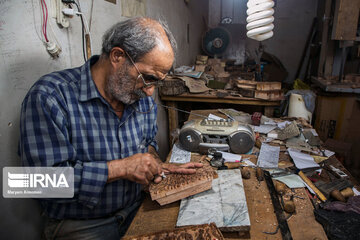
pixel 269 95
pixel 153 218
pixel 198 188
pixel 204 231
pixel 344 88
pixel 247 82
pixel 178 186
pixel 265 86
pixel 304 220
pixel 325 15
pixel 329 59
pixel 345 19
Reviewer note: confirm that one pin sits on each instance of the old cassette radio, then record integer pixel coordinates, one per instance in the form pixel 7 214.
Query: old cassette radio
pixel 223 135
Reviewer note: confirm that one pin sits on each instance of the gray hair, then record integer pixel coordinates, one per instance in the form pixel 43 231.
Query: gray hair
pixel 136 37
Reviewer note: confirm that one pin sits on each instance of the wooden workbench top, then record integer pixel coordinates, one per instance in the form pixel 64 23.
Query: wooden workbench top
pixel 152 217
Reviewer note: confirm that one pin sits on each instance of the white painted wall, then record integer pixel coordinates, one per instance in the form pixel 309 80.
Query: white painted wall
pixel 24 59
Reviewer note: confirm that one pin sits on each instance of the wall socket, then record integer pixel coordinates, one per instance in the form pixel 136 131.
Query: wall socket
pixel 56 12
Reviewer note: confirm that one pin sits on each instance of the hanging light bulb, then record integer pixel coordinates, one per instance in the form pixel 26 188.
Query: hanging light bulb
pixel 260 19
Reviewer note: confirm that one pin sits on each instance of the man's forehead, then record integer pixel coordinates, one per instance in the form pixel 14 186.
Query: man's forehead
pixel 159 59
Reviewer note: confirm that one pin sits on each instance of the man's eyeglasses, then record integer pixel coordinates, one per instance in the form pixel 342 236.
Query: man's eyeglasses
pixel 150 80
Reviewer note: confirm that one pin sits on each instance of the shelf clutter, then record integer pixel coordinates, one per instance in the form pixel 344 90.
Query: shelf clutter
pixel 223 77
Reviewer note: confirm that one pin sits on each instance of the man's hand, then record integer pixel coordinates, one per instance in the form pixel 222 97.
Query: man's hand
pixel 187 168
pixel 141 168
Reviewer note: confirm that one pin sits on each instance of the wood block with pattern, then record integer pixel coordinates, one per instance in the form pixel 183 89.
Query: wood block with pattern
pixel 204 231
pixel 178 186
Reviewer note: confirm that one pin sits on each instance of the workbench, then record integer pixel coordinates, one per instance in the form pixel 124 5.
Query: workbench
pixel 152 217
pixel 172 103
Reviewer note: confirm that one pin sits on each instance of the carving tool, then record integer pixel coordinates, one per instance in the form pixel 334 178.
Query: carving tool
pixel 259 174
pixel 312 186
pixel 284 227
pixel 347 192
pixel 245 172
pixel 336 194
pixel 288 204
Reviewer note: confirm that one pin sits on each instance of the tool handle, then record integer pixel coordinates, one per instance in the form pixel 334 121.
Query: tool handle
pixel 312 186
pixel 259 174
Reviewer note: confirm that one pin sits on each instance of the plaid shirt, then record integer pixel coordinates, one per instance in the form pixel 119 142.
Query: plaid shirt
pixel 66 122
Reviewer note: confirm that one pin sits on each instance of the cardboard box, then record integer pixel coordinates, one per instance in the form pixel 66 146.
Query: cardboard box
pixel 338 117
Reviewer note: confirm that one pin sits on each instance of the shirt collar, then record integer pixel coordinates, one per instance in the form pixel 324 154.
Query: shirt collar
pixel 88 89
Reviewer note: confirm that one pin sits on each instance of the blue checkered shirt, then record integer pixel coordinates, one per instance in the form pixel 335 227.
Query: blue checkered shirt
pixel 66 122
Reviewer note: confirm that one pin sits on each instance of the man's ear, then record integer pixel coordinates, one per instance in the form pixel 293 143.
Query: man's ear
pixel 117 55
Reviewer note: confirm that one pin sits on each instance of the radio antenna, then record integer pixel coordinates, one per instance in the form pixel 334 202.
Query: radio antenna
pixel 180 110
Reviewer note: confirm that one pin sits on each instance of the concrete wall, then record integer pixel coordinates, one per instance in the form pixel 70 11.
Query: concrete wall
pixel 292 22
pixel 24 59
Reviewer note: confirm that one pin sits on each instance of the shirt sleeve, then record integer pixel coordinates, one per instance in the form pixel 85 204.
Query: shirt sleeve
pixel 45 141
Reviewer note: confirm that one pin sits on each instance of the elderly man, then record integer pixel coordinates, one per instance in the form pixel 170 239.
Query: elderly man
pixel 100 119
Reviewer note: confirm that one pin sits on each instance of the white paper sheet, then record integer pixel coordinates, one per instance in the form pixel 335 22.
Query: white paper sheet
pixel 269 156
pixel 314 132
pixel 292 181
pixel 179 155
pixel 302 160
pixel 230 157
pixel 282 125
pixel 328 153
pixel 248 162
pixel 264 128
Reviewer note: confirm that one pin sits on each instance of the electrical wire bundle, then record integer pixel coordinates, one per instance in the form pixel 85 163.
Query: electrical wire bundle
pixel 51 46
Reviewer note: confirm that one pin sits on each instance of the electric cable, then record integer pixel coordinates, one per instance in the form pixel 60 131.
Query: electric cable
pixel 82 30
pixel 44 19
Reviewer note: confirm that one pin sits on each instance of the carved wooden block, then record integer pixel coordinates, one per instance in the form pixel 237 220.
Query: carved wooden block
pixel 178 186
pixel 204 231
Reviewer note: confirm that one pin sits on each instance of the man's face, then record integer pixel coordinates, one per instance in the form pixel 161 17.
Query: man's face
pixel 121 84
pixel 126 85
